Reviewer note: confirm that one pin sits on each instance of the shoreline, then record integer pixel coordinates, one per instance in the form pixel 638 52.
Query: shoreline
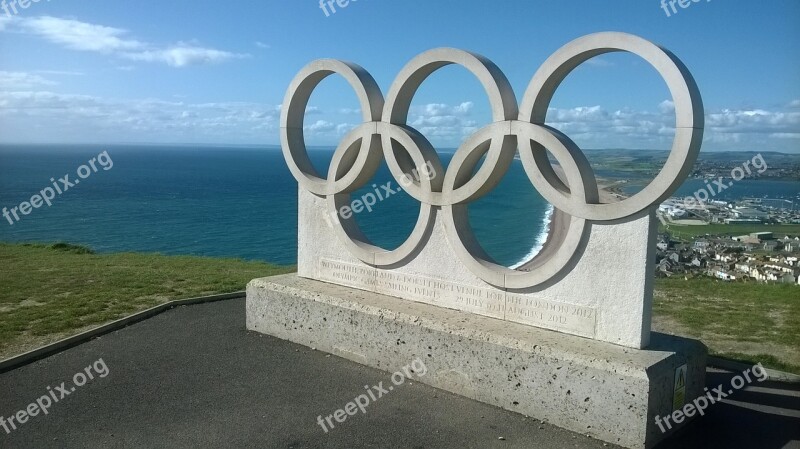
pixel 608 192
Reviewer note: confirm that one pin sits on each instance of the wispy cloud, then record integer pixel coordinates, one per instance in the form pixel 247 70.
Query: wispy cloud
pixel 785 135
pixel 667 107
pixel 82 36
pixel 60 72
pixel 77 35
pixel 182 55
pixel 22 80
pixel 4 22
pixel 37 115
pixel 28 114
pixel 320 127
pixel 596 127
pixel 753 121
pixel 443 122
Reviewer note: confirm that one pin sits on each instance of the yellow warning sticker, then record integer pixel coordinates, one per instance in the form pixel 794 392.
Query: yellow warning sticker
pixel 679 390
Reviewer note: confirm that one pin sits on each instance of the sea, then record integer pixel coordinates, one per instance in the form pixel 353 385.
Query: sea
pixel 241 202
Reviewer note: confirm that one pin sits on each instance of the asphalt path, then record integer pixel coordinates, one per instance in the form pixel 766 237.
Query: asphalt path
pixel 194 377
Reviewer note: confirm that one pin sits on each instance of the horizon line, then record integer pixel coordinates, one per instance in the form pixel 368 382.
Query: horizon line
pixel 322 146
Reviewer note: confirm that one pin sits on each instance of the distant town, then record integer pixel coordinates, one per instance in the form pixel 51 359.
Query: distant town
pixel 752 211
pixel 747 239
pixel 711 239
pixel 780 166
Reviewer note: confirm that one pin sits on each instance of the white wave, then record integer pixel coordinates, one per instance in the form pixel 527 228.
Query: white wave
pixel 538 244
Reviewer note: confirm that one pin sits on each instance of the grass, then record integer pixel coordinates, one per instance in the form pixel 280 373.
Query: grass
pixel 52 291
pixel 739 320
pixel 735 229
pixel 766 360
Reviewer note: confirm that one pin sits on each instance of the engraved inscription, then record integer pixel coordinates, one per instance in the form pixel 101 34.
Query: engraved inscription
pixel 392 283
pixel 495 303
pixel 551 315
pixel 347 274
pixel 441 293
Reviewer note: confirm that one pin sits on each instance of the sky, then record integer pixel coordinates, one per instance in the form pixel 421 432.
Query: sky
pixel 216 72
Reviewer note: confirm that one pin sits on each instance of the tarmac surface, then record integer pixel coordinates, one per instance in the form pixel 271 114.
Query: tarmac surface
pixel 194 377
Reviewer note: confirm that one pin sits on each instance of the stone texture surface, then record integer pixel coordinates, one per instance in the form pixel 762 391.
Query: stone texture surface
pixel 573 285
pixel 607 391
pixel 607 294
pixel 479 324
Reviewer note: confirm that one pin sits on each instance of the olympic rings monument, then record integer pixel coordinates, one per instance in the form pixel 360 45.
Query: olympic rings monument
pixel 564 338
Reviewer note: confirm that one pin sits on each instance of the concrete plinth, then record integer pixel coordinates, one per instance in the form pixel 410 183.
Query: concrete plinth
pixel 609 392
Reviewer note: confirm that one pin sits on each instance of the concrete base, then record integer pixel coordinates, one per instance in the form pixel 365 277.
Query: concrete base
pixel 606 391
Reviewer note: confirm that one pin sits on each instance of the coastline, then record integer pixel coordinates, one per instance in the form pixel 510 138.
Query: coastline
pixel 550 218
pixel 609 192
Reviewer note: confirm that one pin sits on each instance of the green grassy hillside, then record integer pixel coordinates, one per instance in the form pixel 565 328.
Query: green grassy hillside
pixel 53 291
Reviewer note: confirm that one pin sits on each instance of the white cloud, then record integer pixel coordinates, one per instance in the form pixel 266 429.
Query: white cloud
pixel 595 127
pixel 22 80
pixel 785 135
pixel 30 115
pixel 344 128
pixel 260 44
pixel 47 116
pixel 60 72
pixel 441 110
pixel 443 123
pixel 579 114
pixel 753 121
pixel 182 55
pixel 82 36
pixel 4 22
pixel 320 127
pixel 667 107
pixel 77 35
pixel 794 104
pixel 323 130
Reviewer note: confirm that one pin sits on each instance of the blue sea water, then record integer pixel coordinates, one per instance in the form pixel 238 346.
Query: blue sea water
pixel 750 187
pixel 242 202
pixel 747 188
pixel 222 201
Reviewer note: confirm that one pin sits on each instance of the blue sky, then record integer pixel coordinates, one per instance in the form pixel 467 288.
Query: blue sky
pixel 180 71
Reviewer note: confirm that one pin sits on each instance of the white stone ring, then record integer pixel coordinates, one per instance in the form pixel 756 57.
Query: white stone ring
pixel 385 135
